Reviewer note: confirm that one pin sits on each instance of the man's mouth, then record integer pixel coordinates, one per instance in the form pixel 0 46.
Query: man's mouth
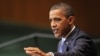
pixel 55 31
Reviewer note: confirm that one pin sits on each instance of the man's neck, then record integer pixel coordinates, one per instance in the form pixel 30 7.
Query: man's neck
pixel 69 32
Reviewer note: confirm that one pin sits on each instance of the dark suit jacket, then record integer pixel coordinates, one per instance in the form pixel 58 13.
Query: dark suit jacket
pixel 78 44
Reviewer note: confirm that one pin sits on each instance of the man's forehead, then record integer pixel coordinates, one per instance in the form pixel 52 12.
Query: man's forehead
pixel 56 13
pixel 56 10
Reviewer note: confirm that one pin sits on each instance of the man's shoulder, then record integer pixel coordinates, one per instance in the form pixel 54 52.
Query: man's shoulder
pixel 81 34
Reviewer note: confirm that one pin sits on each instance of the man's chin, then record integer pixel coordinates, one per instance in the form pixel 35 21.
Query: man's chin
pixel 57 36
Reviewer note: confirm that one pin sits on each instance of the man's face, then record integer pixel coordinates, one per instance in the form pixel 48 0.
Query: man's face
pixel 59 23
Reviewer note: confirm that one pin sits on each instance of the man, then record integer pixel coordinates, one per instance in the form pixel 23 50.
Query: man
pixel 74 42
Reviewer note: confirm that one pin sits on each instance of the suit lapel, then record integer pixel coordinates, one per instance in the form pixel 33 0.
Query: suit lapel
pixel 68 41
pixel 58 47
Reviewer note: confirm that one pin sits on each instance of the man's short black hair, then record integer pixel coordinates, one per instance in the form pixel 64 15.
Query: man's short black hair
pixel 67 9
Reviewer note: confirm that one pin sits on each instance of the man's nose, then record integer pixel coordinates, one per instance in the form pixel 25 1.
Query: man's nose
pixel 53 24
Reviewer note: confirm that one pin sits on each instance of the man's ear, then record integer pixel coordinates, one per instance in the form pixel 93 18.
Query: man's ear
pixel 71 19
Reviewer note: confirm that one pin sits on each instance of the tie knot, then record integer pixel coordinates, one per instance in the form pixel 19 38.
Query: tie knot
pixel 63 40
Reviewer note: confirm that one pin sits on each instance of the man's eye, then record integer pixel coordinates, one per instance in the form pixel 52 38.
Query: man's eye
pixel 50 20
pixel 57 19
